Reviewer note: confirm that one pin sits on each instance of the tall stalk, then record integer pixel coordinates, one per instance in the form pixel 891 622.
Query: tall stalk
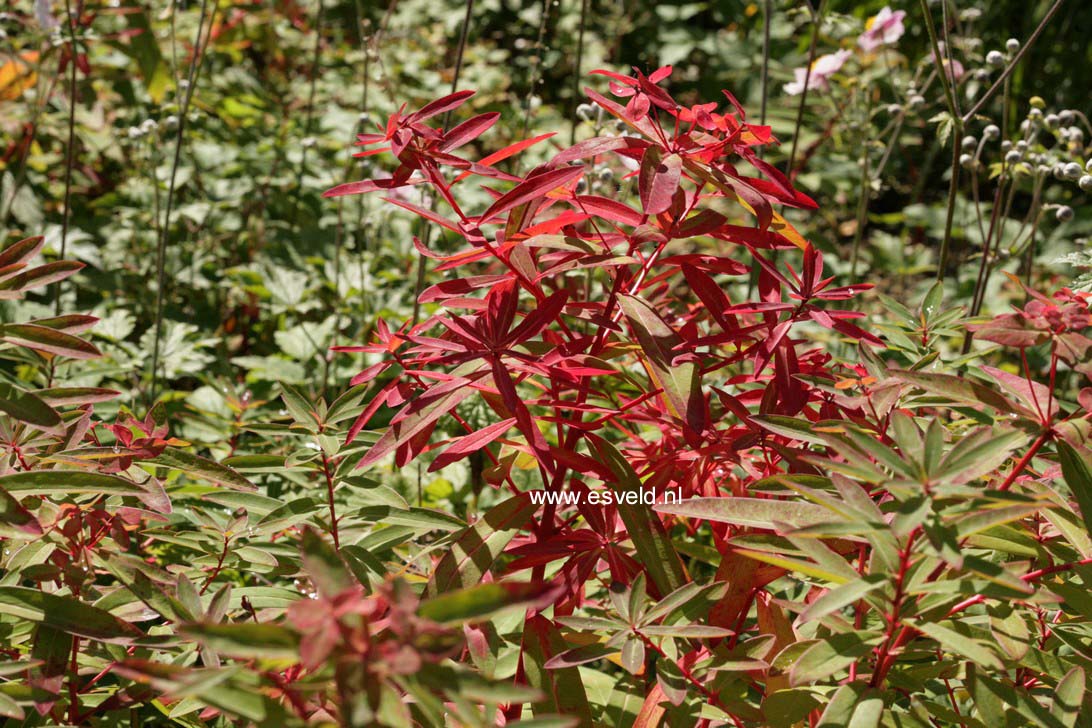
pixel 579 70
pixel 309 119
pixel 955 134
pixel 813 50
pixel 161 247
pixel 70 148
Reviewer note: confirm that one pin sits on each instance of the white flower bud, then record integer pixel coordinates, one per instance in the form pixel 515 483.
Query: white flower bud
pixel 995 59
pixel 1072 170
pixel 966 160
pixel 991 132
pixel 1013 157
pixel 968 143
pixel 1012 45
pixel 1064 213
pixel 1085 182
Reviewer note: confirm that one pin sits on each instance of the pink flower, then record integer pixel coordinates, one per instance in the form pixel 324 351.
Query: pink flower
pixel 955 69
pixel 882 28
pixel 821 71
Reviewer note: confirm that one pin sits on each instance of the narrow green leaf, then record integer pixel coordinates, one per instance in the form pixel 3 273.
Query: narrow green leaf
pixel 1078 476
pixel 478 546
pixel 66 614
pixel 655 549
pixel 482 601
pixel 27 407
pixel 962 645
pixel 202 468
pixel 681 382
pixel 246 639
pixel 752 512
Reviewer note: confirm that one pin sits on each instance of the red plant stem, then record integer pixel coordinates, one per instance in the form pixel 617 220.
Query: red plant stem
pixel 73 690
pixel 1019 467
pixel 884 653
pixel 1028 577
pixel 711 696
pixel 330 496
pixel 219 567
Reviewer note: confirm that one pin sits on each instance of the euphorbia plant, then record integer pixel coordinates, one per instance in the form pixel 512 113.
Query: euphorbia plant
pixel 610 335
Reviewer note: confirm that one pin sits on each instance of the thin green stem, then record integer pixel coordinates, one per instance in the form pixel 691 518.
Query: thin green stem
pixel 817 24
pixel 70 148
pixel 999 83
pixel 161 248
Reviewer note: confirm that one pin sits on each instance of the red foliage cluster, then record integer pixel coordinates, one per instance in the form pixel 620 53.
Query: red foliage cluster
pixel 604 325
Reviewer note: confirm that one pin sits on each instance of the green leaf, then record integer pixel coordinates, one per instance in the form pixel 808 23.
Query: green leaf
pixel 753 512
pixel 482 601
pixel 681 382
pixel 853 706
pixel 655 550
pixel 841 597
pixel 826 657
pixel 247 639
pixel 1078 476
pixel 27 407
pixel 9 708
pixel 960 644
pixel 323 565
pixel 302 411
pixel 670 679
pixel 478 546
pixel 66 614
pixel 1068 697
pixel 581 655
pixel 50 341
pixel 15 520
pixel 56 483
pixel 202 468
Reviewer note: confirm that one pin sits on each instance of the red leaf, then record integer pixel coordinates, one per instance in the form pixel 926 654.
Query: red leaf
pixel 439 106
pixel 659 179
pixel 608 209
pixel 463 446
pixel 507 152
pixel 533 188
pixel 468 130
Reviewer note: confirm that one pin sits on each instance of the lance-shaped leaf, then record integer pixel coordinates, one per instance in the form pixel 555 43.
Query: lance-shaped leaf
pixel 479 545
pixel 562 689
pixel 66 614
pixel 48 340
pixel 27 407
pixel 654 546
pixel 1078 476
pixel 681 382
pixel 61 483
pixel 423 413
pixel 484 600
pixel 658 180
pixel 751 512
pixel 202 468
pixel 531 189
pixel 247 639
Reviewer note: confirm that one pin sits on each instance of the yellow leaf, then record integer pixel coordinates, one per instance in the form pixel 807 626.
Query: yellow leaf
pixel 17 74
